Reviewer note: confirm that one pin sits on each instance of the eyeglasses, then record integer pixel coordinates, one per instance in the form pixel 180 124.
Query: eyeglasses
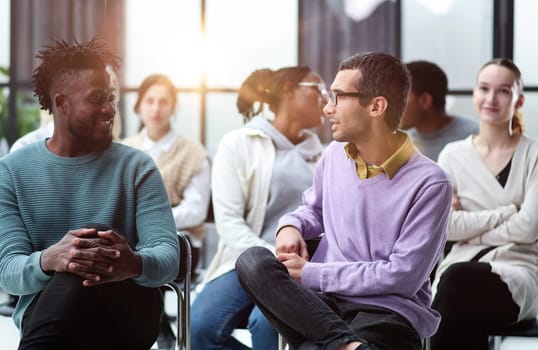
pixel 333 96
pixel 320 87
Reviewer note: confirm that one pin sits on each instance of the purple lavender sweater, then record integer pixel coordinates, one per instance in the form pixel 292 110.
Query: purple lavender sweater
pixel 382 237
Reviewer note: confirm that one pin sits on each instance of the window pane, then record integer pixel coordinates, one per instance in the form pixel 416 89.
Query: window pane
pixel 163 36
pixel 28 112
pixel 461 106
pixel 130 120
pixel 187 120
pixel 244 35
pixel 434 30
pixel 4 113
pixel 222 116
pixel 526 40
pixel 4 37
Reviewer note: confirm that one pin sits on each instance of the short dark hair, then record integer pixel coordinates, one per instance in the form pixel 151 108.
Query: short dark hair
pixel 430 78
pixel 156 79
pixel 267 86
pixel 61 59
pixel 381 75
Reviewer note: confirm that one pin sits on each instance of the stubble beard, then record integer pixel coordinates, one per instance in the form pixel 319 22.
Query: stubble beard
pixel 86 138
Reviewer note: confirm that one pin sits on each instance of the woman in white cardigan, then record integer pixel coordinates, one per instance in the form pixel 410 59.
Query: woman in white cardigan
pixel 490 276
pixel 259 173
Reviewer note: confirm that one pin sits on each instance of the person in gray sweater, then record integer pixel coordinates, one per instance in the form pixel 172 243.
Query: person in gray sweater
pixel 425 118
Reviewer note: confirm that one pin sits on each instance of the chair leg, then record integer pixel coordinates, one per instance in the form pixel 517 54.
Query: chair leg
pixel 183 292
pixel 426 345
pixel 186 312
pixel 166 338
pixel 183 314
pixel 282 344
pixel 497 339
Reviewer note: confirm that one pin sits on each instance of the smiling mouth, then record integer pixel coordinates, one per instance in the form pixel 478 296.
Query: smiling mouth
pixel 105 123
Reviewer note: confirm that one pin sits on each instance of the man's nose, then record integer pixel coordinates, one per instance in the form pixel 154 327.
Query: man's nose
pixel 328 109
pixel 109 108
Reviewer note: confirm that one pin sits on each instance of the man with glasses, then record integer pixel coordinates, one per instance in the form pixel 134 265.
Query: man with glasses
pixel 382 208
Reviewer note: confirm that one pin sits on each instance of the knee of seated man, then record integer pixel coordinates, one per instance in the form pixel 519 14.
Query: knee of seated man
pixel 252 261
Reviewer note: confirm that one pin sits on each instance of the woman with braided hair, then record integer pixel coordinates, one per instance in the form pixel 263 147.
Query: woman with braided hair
pixel 259 173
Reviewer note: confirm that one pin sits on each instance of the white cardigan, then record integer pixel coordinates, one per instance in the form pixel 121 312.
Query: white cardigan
pixel 492 215
pixel 241 176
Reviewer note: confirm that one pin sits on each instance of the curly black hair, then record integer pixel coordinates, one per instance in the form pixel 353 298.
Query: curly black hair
pixel 61 59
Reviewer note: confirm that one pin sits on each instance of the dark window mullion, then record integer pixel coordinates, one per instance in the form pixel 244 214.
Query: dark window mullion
pixel 503 28
pixel 12 124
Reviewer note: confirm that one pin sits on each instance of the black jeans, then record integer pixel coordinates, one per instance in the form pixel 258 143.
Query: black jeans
pixel 311 320
pixel 472 300
pixel 67 315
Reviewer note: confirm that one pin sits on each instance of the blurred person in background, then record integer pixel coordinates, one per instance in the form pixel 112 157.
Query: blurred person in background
pixel 490 276
pixel 183 164
pixel 425 118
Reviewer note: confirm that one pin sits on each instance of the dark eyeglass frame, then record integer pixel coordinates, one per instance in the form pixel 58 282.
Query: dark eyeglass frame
pixel 333 96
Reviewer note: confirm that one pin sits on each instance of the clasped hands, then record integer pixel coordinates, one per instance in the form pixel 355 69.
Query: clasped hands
pixel 97 256
pixel 291 250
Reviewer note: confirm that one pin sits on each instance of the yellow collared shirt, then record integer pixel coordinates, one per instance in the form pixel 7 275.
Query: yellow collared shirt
pixel 389 167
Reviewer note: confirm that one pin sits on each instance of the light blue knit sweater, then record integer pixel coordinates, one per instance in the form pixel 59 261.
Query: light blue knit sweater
pixel 42 196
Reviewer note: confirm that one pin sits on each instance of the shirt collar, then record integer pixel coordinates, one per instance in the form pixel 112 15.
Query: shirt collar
pixel 389 167
pixel 155 148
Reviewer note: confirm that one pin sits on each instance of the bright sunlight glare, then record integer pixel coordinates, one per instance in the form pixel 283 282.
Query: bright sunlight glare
pixel 163 36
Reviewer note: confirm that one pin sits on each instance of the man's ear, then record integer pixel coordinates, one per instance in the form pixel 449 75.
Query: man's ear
pixel 60 102
pixel 425 100
pixel 378 106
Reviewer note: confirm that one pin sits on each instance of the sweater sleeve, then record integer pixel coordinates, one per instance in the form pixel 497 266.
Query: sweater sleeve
pixel 192 210
pixel 231 182
pixel 413 256
pixel 20 270
pixel 522 227
pixel 464 225
pixel 157 237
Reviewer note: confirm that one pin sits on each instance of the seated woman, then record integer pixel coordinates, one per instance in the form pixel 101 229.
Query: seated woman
pixel 183 163
pixel 259 173
pixel 490 276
